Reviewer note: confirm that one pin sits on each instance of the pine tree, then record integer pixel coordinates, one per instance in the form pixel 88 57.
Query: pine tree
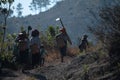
pixel 19 9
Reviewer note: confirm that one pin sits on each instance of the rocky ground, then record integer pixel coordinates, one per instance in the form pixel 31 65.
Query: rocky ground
pixel 89 66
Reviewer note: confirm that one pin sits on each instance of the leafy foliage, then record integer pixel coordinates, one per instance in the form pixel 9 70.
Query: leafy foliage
pixel 51 31
pixel 7 56
pixel 39 4
pixel 5 47
pixel 48 37
pixel 3 6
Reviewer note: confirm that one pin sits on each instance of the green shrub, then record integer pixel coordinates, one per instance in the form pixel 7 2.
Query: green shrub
pixel 48 37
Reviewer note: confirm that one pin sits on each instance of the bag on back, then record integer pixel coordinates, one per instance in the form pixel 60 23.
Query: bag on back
pixel 22 45
pixel 60 41
pixel 35 49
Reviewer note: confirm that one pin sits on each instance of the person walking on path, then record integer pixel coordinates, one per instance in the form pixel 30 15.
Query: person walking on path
pixel 61 40
pixel 84 44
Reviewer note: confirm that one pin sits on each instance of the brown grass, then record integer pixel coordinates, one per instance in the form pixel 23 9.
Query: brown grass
pixel 54 54
pixel 72 51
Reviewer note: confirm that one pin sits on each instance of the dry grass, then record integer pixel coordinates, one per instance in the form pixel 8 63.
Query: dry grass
pixel 96 47
pixel 73 51
pixel 54 54
pixel 30 78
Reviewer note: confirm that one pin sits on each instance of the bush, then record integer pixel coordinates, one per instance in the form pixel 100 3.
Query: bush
pixel 6 54
pixel 48 38
pixel 108 31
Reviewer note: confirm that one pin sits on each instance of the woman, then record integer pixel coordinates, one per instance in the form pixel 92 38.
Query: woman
pixel 35 47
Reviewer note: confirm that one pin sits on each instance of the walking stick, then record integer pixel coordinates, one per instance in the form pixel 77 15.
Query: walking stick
pixel 59 19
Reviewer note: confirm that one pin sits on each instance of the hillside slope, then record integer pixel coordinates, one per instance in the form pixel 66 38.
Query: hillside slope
pixel 76 16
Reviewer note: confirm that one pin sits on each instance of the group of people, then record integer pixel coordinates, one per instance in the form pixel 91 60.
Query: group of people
pixel 37 50
pixel 62 38
pixel 30 50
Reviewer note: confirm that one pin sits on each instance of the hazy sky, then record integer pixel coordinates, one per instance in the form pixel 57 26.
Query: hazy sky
pixel 25 5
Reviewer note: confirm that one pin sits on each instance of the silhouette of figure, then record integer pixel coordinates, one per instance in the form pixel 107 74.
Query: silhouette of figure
pixel 61 40
pixel 43 54
pixel 35 47
pixel 22 41
pixel 84 43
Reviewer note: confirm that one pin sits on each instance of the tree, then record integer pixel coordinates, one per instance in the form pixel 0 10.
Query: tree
pixel 33 6
pixel 19 9
pixel 46 3
pixel 39 4
pixel 5 11
pixel 51 30
pixel 48 37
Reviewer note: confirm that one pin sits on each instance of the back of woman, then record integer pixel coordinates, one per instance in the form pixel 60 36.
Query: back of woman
pixel 35 47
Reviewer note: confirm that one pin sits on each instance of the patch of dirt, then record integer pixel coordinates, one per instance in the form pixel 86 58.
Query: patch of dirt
pixel 38 73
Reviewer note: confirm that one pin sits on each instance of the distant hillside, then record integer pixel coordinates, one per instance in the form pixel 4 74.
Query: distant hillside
pixel 76 16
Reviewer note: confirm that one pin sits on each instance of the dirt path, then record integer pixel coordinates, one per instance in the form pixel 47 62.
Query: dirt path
pixel 40 73
pixel 54 69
